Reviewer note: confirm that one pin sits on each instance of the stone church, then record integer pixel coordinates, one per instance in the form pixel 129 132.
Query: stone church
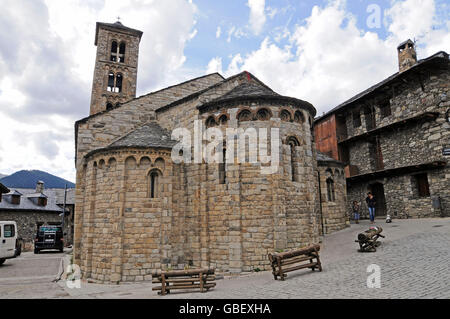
pixel 138 210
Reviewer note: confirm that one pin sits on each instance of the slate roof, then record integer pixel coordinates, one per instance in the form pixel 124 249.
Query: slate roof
pixel 148 135
pixel 248 89
pixel 3 188
pixel 435 57
pixel 27 204
pixel 322 158
pixel 255 90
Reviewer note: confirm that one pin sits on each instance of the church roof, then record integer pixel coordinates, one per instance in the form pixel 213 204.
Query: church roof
pixel 254 89
pixel 248 89
pixel 148 135
pixel 116 26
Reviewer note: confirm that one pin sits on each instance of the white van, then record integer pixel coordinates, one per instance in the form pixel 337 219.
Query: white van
pixel 10 246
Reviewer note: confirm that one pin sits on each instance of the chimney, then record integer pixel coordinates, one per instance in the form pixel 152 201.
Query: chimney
pixel 40 187
pixel 407 56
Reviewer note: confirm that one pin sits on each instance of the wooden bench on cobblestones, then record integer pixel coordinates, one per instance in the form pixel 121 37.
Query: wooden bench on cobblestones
pixel 285 262
pixel 202 279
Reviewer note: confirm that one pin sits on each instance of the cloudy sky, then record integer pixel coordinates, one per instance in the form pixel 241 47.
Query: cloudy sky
pixel 320 51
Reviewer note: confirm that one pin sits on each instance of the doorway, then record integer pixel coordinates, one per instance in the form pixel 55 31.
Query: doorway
pixel 377 190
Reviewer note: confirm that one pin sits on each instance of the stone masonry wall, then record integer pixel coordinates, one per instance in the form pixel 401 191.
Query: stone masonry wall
pixel 103 66
pixel 412 144
pixel 196 221
pixel 335 214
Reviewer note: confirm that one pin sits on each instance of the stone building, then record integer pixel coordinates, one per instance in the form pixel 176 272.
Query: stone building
pixel 30 208
pixel 394 138
pixel 138 210
pixel 333 194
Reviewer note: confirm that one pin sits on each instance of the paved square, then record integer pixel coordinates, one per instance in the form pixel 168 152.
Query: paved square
pixel 414 259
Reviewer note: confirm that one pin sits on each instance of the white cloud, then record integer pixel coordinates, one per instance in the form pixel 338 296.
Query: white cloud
pixel 329 59
pixel 47 56
pixel 257 15
pixel 215 65
pixel 218 32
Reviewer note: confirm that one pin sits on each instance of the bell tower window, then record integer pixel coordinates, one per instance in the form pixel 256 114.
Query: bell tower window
pixel 118 83
pixel 113 51
pixel 110 82
pixel 122 52
pixel 118 52
pixel 115 82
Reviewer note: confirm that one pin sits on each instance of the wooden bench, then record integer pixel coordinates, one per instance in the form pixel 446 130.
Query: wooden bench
pixel 202 279
pixel 285 262
pixel 368 241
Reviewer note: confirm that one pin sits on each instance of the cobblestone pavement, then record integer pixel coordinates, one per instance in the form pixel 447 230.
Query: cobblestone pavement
pixel 414 259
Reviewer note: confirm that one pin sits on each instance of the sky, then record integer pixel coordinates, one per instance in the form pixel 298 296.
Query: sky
pixel 323 52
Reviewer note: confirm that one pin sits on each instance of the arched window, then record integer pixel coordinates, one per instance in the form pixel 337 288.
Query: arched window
pixel 298 117
pixel 113 51
pixel 118 87
pixel 330 190
pixel 110 82
pixel 285 116
pixel 223 119
pixel 153 181
pixel 118 52
pixel 109 106
pixel 122 52
pixel 263 115
pixel 222 168
pixel 210 122
pixel 114 82
pixel 293 143
pixel 244 115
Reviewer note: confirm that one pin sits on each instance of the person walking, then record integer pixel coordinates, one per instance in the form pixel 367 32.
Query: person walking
pixel 356 209
pixel 371 202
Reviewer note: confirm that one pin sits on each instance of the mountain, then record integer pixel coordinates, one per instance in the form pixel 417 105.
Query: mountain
pixel 2 175
pixel 28 179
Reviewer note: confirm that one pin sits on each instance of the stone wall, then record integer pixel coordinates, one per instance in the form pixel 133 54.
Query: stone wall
pixel 411 144
pixel 335 213
pixel 196 221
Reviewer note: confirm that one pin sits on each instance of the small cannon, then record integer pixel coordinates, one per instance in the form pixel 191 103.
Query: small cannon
pixel 368 240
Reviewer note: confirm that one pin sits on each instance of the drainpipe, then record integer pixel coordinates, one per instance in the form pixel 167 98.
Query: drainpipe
pixel 320 201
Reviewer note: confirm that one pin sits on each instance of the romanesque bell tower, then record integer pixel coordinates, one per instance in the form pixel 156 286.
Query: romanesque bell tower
pixel 116 65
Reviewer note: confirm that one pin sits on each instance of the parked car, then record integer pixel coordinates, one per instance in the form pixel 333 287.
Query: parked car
pixel 49 237
pixel 10 243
